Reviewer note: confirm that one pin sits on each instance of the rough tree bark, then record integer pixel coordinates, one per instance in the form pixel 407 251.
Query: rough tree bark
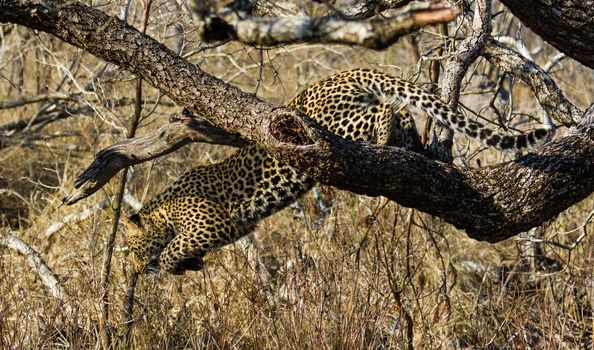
pixel 567 25
pixel 491 203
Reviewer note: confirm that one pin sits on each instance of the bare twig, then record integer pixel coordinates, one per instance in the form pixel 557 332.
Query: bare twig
pixel 568 247
pixel 553 62
pixel 567 25
pixel 76 217
pixel 86 213
pixel 32 143
pixel 517 44
pixel 34 99
pixel 46 116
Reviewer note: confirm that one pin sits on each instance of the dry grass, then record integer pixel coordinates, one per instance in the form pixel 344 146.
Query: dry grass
pixel 367 274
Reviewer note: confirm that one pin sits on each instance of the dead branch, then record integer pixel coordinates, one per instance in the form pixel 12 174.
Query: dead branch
pixel 554 61
pixel 33 99
pixel 132 201
pixel 45 116
pixel 28 143
pixel 490 203
pixel 179 132
pixel 37 264
pixel 229 24
pixel 54 111
pixel 359 10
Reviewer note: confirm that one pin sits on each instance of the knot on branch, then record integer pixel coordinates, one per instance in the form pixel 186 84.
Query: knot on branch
pixel 288 129
pixel 187 118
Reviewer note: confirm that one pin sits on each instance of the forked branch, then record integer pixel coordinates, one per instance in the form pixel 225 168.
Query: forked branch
pixel 455 69
pixel 557 22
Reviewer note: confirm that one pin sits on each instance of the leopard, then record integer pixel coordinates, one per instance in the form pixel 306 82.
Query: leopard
pixel 213 205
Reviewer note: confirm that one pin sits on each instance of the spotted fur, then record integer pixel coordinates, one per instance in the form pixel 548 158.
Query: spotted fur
pixel 213 205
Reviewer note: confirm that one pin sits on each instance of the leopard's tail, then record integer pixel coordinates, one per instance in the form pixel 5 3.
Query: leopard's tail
pixel 430 103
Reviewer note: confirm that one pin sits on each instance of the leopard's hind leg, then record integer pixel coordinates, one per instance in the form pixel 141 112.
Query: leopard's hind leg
pixel 396 127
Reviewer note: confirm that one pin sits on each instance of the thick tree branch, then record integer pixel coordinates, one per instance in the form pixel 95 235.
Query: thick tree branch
pixel 230 24
pixel 568 25
pixel 359 10
pixel 490 203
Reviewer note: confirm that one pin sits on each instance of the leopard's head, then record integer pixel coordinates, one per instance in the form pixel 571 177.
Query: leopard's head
pixel 144 242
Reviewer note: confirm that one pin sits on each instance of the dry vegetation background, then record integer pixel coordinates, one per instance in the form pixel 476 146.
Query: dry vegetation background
pixel 362 273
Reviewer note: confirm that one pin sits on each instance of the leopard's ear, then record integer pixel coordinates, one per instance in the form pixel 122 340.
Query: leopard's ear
pixel 132 222
pixel 135 218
